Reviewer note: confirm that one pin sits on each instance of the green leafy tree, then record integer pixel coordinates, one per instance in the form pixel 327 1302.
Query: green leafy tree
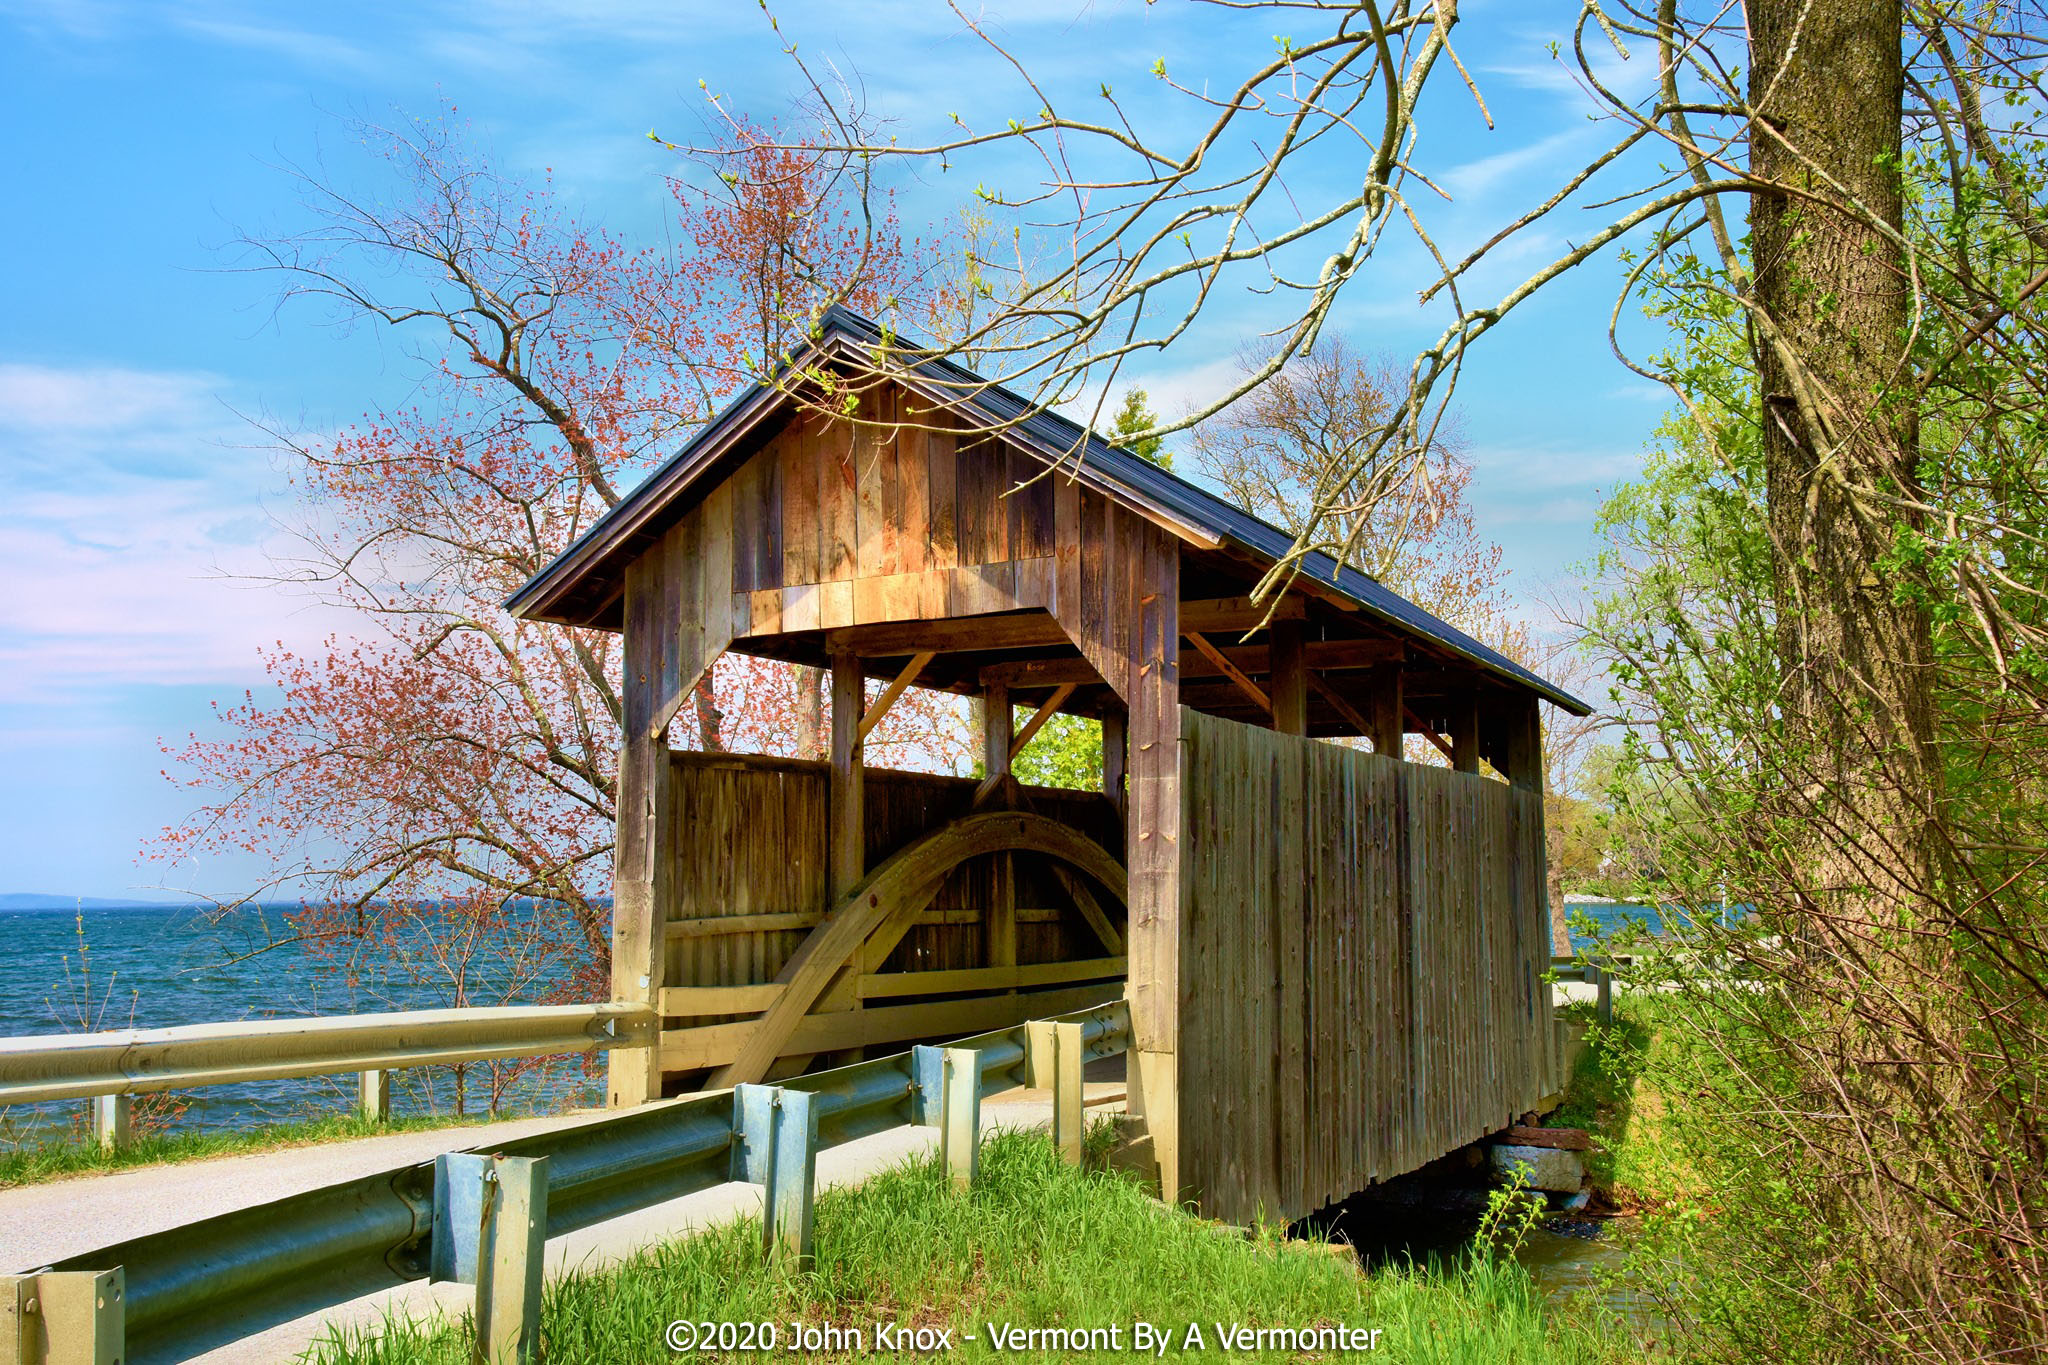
pixel 1136 428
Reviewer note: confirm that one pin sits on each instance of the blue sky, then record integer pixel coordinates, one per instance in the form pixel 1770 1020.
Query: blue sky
pixel 136 497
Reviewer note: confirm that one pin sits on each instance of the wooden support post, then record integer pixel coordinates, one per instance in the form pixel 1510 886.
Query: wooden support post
pixel 642 861
pixel 1054 1058
pixel 778 1150
pixel 373 1096
pixel 1465 734
pixel 998 743
pixel 960 1115
pixel 1386 711
pixel 849 833
pixel 511 1242
pixel 64 1317
pixel 1522 756
pixel 848 859
pixel 113 1121
pixel 1114 756
pixel 1289 680
pixel 1152 847
pixel 996 731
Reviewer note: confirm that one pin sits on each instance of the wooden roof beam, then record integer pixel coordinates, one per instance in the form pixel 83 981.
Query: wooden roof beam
pixel 1338 703
pixel 1038 719
pixel 949 635
pixel 890 693
pixel 1230 670
pixel 1240 614
pixel 1325 655
pixel 1417 723
pixel 1036 629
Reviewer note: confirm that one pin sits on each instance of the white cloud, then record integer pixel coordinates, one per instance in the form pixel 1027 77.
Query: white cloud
pixel 1479 178
pixel 130 508
pixel 320 50
pixel 42 400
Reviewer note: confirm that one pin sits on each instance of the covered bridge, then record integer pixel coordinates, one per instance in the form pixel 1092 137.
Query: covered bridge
pixel 1333 957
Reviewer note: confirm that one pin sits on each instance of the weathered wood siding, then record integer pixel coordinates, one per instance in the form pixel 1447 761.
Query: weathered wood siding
pixel 904 517
pixel 749 837
pixel 1363 941
pixel 747 848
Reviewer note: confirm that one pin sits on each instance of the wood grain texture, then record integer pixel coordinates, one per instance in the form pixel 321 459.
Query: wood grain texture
pixel 898 889
pixel 748 847
pixel 1366 940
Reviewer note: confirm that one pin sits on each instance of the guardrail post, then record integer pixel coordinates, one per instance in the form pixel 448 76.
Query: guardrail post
pixel 1039 1054
pixel 490 1230
pixel 1604 984
pixel 927 1084
pixel 373 1096
pixel 510 1257
pixel 63 1317
pixel 960 1115
pixel 458 1216
pixel 113 1121
pixel 1053 1058
pixel 778 1150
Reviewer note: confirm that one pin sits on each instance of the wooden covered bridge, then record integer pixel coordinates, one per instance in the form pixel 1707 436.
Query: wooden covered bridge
pixel 1333 958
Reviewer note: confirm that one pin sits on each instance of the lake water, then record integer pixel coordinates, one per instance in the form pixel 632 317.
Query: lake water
pixel 147 967
pixel 150 967
pixel 1610 916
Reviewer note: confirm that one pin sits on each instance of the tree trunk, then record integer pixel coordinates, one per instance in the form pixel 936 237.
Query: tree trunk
pixel 710 720
pixel 810 712
pixel 1827 81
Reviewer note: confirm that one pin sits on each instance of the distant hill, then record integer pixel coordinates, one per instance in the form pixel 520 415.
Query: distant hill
pixel 33 900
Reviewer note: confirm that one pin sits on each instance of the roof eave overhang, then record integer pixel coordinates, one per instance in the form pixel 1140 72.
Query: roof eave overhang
pixel 546 597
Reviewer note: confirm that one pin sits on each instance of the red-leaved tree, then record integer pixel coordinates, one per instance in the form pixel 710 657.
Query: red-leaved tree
pixel 437 787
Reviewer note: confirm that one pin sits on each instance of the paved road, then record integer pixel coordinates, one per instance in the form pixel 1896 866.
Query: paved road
pixel 43 1223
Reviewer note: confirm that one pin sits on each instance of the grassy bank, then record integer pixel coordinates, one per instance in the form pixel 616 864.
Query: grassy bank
pixel 1601 1095
pixel 1036 1244
pixel 33 1165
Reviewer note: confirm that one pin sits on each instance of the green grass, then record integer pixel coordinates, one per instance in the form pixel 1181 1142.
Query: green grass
pixel 1036 1244
pixel 58 1160
pixel 1601 1094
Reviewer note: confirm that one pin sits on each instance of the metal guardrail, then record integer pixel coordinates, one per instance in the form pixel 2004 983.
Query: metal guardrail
pixel 64 1066
pixel 194 1287
pixel 1595 972
pixel 110 1068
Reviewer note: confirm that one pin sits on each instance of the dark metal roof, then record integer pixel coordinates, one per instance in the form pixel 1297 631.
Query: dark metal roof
pixel 1145 483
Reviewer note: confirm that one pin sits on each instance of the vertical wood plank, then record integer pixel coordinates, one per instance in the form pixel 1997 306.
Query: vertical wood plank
pixel 941 471
pixel 871 451
pixel 802 448
pixel 976 487
pixel 838 498
pixel 913 491
pixel 1029 497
